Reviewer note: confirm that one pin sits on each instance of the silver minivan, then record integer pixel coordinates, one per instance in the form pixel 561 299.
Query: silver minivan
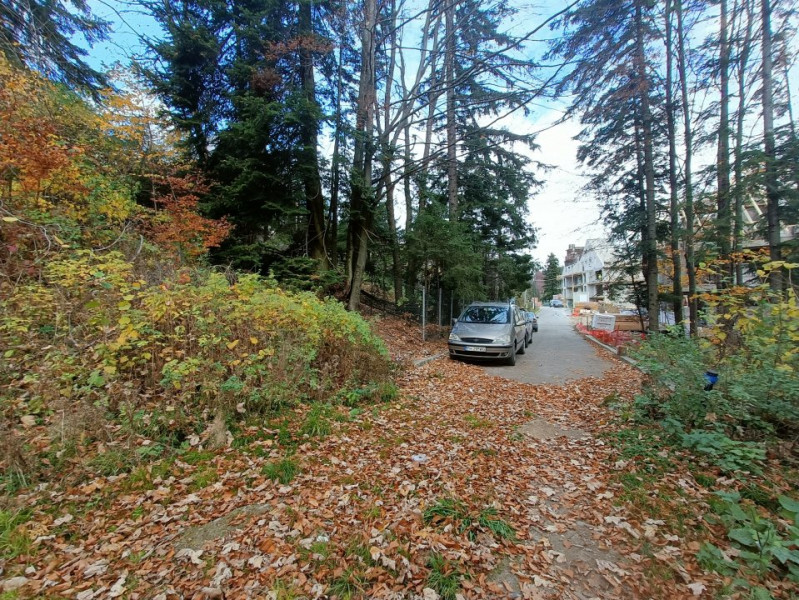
pixel 489 330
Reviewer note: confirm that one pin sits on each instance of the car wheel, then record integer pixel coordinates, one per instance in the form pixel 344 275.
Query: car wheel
pixel 511 360
pixel 523 347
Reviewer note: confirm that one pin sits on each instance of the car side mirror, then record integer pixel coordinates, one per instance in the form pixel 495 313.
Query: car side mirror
pixel 454 321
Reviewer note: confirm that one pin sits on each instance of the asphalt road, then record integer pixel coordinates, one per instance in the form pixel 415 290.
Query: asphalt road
pixel 558 353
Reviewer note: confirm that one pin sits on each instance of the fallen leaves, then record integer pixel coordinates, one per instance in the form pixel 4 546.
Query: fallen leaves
pixel 353 513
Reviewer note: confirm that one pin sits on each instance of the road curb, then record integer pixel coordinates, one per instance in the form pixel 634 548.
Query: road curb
pixel 424 361
pixel 610 349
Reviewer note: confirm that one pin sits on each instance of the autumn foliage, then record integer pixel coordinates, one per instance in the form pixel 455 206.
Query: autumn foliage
pixel 105 310
pixel 72 173
pixel 177 224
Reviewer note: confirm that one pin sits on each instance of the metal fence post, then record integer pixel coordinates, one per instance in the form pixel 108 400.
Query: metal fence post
pixel 424 311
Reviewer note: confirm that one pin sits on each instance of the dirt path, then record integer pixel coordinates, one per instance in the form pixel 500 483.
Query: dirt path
pixel 359 519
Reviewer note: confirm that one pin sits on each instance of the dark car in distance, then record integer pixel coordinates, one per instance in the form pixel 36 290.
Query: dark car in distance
pixel 534 320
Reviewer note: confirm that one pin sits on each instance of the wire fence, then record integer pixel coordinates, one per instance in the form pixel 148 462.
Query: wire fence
pixel 433 309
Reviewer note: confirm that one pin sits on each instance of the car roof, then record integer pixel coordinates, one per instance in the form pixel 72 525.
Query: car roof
pixel 504 304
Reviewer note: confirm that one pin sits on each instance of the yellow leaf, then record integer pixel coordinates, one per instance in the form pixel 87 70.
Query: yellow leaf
pixel 232 344
pixel 10 219
pixel 253 340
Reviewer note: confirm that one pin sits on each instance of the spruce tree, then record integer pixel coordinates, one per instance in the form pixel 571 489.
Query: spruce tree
pixel 552 273
pixel 40 34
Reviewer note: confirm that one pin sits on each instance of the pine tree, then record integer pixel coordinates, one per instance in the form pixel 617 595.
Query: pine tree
pixel 39 34
pixel 615 94
pixel 238 78
pixel 552 273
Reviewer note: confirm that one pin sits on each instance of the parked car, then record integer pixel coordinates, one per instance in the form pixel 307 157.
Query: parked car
pixel 528 322
pixel 533 320
pixel 489 330
pixel 555 303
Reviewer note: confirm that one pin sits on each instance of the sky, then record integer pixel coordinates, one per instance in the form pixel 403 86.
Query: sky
pixel 560 211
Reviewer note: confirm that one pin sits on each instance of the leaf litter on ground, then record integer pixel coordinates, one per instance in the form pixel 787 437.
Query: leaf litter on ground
pixel 350 521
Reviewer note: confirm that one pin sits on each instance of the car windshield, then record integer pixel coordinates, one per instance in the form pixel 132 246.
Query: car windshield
pixel 486 314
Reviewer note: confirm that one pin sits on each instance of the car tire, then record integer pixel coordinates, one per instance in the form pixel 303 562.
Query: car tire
pixel 511 360
pixel 523 347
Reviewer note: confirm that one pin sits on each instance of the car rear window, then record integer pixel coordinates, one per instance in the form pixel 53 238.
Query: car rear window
pixel 486 314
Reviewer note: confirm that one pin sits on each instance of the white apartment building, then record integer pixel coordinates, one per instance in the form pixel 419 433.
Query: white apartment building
pixel 587 272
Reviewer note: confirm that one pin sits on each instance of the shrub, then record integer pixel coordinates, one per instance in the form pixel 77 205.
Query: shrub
pixel 762 545
pixel 158 357
pixel 752 341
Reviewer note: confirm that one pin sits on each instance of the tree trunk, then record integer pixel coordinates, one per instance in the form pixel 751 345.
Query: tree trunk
pixel 392 227
pixel 724 220
pixel 314 201
pixel 335 167
pixel 690 261
pixel 388 156
pixel 770 173
pixel 674 205
pixel 745 48
pixel 361 174
pixel 406 177
pixel 452 131
pixel 649 173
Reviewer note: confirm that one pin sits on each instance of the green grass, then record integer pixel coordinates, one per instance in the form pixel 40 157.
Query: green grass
pixel 444 578
pixel 317 421
pixel 350 584
pixel 283 471
pixel 195 457
pixel 468 522
pixel 705 480
pixel 760 496
pixel 285 591
pixel 357 549
pixel 500 528
pixel 321 548
pixel 373 512
pixel 284 436
pixel 113 462
pixel 476 422
pixel 202 479
pixel 14 541
pixel 485 452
